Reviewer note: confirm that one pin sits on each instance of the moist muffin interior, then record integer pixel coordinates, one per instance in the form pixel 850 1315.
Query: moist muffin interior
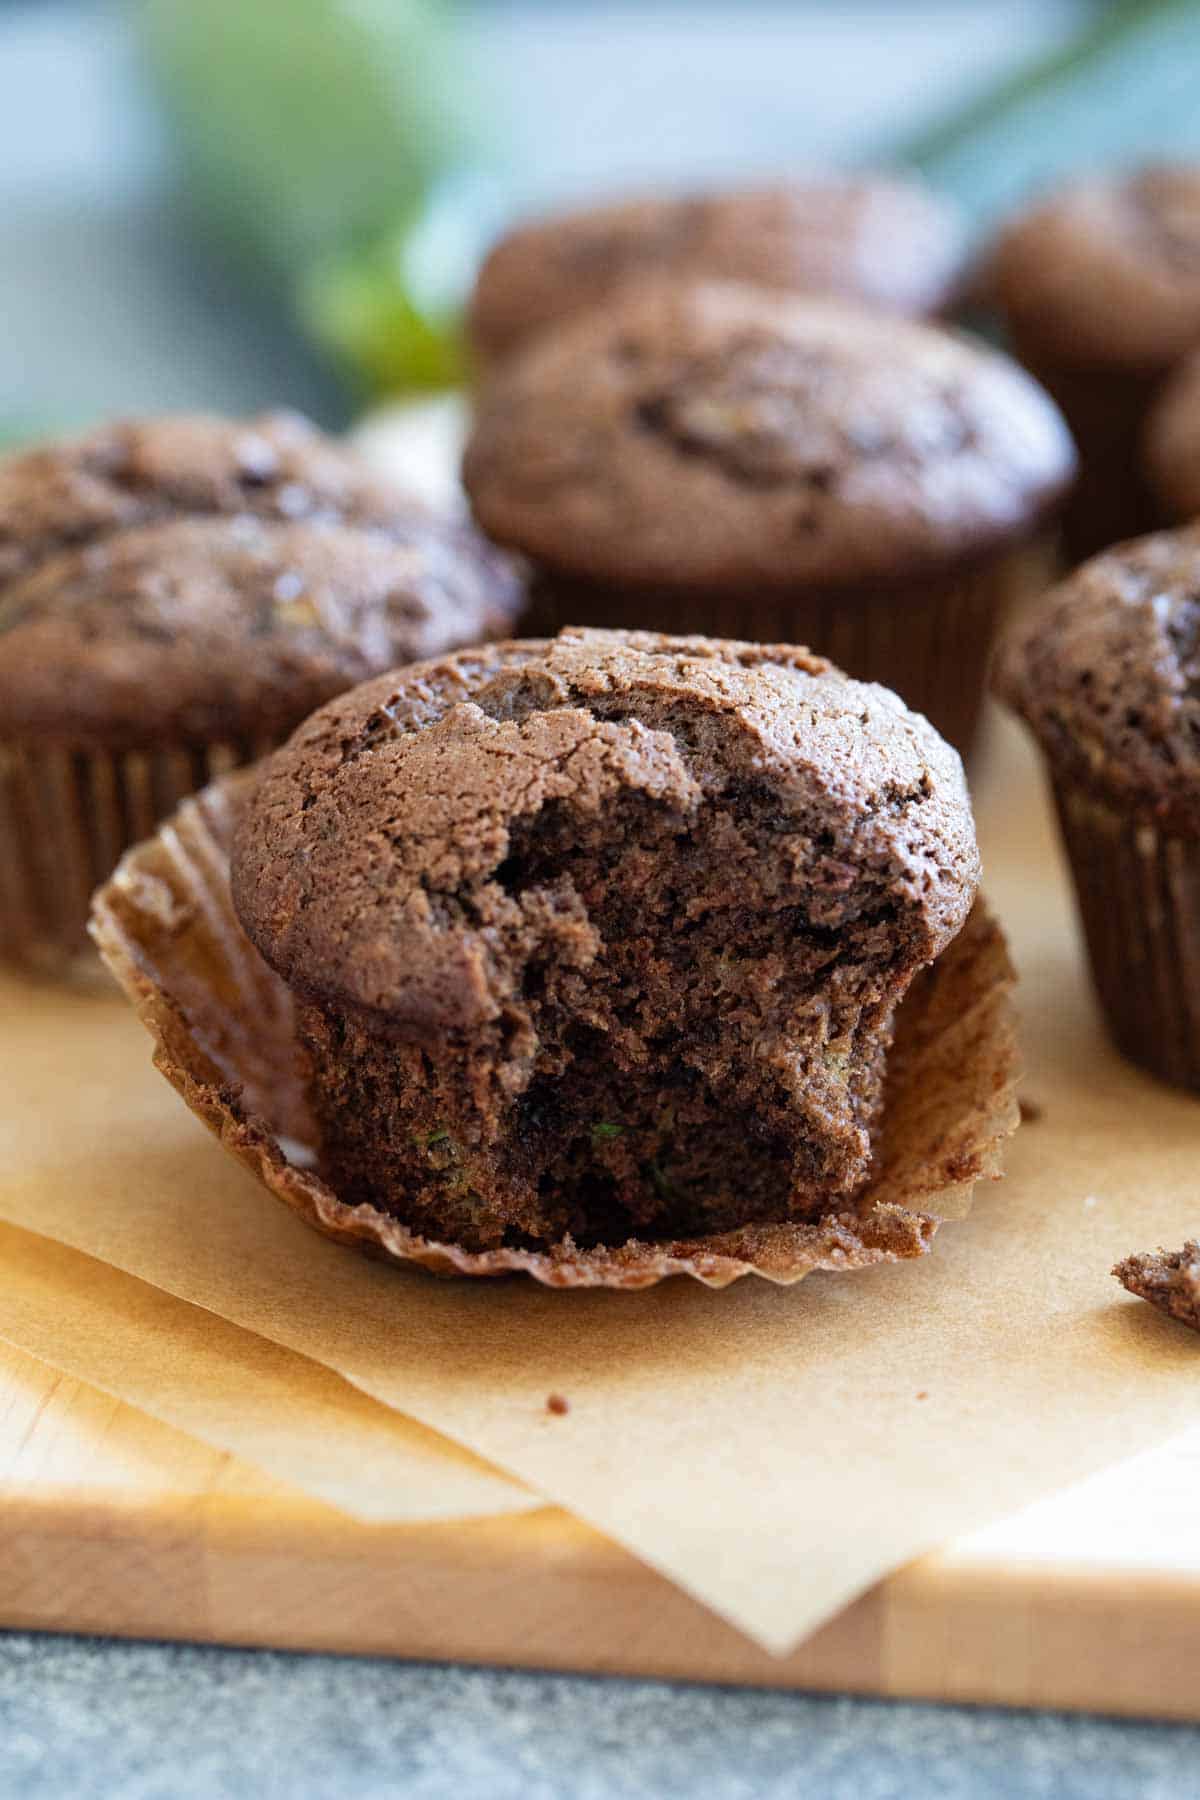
pixel 603 938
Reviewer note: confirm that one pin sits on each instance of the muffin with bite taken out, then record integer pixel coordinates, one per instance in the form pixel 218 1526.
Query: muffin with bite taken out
pixel 603 937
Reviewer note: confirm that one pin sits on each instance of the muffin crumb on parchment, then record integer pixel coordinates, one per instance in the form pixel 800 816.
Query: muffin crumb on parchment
pixel 1169 1280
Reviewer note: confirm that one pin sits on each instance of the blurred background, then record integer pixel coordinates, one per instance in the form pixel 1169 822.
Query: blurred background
pixel 232 203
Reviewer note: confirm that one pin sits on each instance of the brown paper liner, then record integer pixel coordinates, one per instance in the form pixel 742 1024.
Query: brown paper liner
pixel 1138 892
pixel 223 1029
pixel 1106 409
pixel 67 815
pixel 930 641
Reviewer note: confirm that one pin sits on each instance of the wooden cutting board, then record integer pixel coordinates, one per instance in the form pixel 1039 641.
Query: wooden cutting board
pixel 114 1523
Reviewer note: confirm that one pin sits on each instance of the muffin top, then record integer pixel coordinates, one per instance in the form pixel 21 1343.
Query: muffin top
pixel 712 436
pixel 181 579
pixel 1171 452
pixel 192 629
pixel 134 471
pixel 1108 271
pixel 1107 673
pixel 887 242
pixel 375 864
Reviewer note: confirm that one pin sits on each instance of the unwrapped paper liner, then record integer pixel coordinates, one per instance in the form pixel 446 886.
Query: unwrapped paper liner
pixel 223 1029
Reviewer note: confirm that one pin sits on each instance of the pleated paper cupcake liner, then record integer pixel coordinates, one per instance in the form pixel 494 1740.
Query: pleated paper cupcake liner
pixel 1138 891
pixel 67 815
pixel 224 1036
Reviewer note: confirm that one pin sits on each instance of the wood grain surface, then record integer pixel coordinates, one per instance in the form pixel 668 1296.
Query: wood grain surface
pixel 114 1523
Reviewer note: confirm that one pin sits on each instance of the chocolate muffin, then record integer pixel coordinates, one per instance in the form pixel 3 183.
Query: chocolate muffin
pixel 603 936
pixel 1099 287
pixel 1107 674
pixel 880 240
pixel 719 459
pixel 176 596
pixel 1171 449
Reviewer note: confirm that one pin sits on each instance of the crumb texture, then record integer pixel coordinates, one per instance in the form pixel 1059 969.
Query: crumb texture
pixel 713 436
pixel 188 579
pixel 1107 272
pixel 1107 673
pixel 1168 1279
pixel 603 936
pixel 886 242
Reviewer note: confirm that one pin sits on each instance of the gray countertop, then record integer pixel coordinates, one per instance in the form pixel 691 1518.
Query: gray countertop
pixel 107 305
pixel 89 1719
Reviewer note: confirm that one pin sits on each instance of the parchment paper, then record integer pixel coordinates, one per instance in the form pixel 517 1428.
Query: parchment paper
pixel 772 1451
pixel 236 1391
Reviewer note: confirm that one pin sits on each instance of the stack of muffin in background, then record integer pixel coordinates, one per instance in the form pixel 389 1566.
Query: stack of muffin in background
pixel 763 463
pixel 743 418
pixel 733 415
pixel 1100 289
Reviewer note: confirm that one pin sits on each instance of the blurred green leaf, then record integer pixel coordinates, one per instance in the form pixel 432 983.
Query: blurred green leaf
pixel 1125 88
pixel 361 310
pixel 309 125
pixel 315 137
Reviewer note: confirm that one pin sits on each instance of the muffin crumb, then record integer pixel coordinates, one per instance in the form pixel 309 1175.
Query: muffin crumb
pixel 1166 1279
pixel 558 1404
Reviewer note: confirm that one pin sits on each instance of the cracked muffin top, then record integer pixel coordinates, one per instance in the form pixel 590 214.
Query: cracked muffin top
pixel 378 864
pixel 1107 272
pixel 181 579
pixel 714 436
pixel 886 242
pixel 1107 673
pixel 136 471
